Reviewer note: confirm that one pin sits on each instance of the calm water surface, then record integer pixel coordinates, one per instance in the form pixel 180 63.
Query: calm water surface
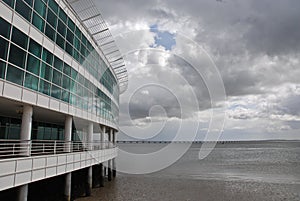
pixel 239 171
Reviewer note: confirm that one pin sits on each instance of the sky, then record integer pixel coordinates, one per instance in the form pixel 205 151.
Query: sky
pixel 208 70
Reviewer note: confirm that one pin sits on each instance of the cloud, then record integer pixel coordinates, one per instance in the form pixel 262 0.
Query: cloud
pixel 254 44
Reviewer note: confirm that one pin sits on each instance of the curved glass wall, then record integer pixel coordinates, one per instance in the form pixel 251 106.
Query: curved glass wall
pixel 25 62
pixel 51 20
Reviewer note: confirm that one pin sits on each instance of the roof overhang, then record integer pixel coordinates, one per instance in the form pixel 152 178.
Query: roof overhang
pixel 92 20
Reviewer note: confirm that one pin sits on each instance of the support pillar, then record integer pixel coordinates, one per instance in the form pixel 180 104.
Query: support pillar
pixel 68 138
pixel 67 192
pixel 90 132
pixel 89 181
pixel 25 135
pixel 23 193
pixel 68 133
pixel 101 175
pixel 109 170
pixel 102 137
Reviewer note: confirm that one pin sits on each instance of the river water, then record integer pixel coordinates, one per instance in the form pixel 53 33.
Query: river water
pixel 237 171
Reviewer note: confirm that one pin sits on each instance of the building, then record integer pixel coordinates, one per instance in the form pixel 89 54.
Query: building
pixel 60 79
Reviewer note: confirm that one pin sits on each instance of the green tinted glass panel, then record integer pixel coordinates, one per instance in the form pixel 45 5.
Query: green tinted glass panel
pixel 5 28
pixel 69 48
pixel 35 48
pixel 17 56
pixel 11 3
pixel 60 41
pixel 4 48
pixel 38 22
pixel 66 82
pixel 61 28
pixel 58 64
pixel 47 56
pixel 67 69
pixel 31 81
pixel 56 77
pixel 51 18
pixel 44 87
pixel 15 75
pixel 29 2
pixel 53 5
pixel 50 32
pixel 55 92
pixel 46 71
pixel 19 38
pixel 71 24
pixel 33 64
pixel 65 96
pixel 23 9
pixel 63 16
pixel 40 7
pixel 70 36
pixel 2 69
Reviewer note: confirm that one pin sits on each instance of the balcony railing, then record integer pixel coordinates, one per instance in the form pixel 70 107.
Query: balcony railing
pixel 19 148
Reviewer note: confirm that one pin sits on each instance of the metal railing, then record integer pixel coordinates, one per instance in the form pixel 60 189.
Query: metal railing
pixel 19 148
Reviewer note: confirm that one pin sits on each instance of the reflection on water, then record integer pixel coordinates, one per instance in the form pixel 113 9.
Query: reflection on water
pixel 239 171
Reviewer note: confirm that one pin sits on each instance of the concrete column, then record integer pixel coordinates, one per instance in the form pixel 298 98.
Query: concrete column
pixel 25 135
pixel 109 170
pixel 67 193
pixel 90 132
pixel 23 193
pixel 68 133
pixel 102 137
pixel 89 181
pixel 114 166
pixel 101 175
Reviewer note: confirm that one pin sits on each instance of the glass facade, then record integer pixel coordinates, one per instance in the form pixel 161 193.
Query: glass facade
pixel 25 62
pixel 10 129
pixel 51 20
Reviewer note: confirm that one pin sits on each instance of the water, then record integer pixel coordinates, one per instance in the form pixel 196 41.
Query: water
pixel 240 171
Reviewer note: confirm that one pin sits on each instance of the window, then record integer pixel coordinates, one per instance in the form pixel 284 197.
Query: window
pixel 56 77
pixel 58 64
pixel 46 71
pixel 29 2
pixel 5 28
pixel 47 56
pixel 67 69
pixel 23 9
pixel 33 64
pixel 11 3
pixel 65 96
pixel 63 16
pixel 66 82
pixel 61 28
pixel 17 56
pixel 50 32
pixel 55 91
pixel 70 36
pixel 60 41
pixel 3 49
pixel 19 38
pixel 14 75
pixel 31 81
pixel 2 69
pixel 53 5
pixel 51 19
pixel 35 48
pixel 40 7
pixel 38 22
pixel 69 48
pixel 71 24
pixel 44 87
